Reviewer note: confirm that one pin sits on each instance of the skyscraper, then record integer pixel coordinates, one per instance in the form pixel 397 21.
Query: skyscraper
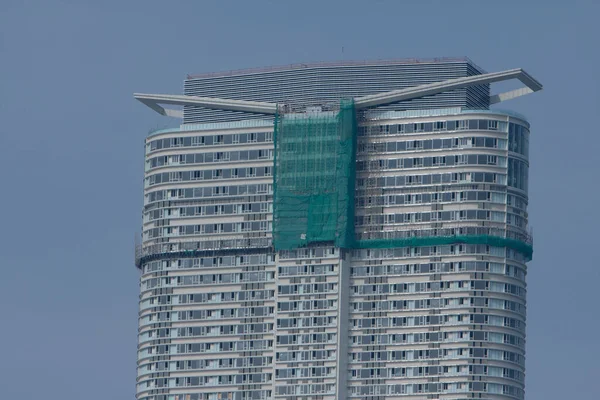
pixel 336 231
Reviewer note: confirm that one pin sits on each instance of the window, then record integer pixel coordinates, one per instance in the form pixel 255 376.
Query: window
pixel 414 145
pixel 493 125
pixel 419 127
pixel 198 141
pixel 439 126
pixel 175 193
pixel 175 176
pixel 221 190
pixel 197 175
pixel 460 159
pixel 221 156
pixel 177 159
pixel 252 138
pixel 467 142
pixel 414 179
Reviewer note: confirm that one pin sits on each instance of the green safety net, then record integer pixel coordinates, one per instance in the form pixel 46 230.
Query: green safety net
pixel 314 183
pixel 525 248
pixel 315 173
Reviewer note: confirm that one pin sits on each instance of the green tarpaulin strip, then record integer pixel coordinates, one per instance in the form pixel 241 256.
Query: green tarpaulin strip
pixel 496 241
pixel 315 174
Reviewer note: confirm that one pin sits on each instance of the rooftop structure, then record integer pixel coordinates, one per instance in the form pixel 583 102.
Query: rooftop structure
pixel 362 102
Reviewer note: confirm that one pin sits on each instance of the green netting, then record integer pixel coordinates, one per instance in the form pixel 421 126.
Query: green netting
pixel 315 173
pixel 525 248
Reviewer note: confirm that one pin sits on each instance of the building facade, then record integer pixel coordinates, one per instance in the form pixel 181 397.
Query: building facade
pixel 425 298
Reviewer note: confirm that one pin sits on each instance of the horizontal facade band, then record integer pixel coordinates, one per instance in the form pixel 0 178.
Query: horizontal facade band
pixel 523 246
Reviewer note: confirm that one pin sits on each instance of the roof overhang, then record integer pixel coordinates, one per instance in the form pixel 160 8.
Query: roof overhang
pixel 154 101
pixel 445 86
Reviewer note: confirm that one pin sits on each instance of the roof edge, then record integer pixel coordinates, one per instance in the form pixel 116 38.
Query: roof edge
pixel 341 63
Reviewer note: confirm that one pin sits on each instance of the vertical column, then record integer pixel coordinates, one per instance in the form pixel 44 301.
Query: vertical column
pixel 343 324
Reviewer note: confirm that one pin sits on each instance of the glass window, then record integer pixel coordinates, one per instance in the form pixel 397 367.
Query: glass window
pixel 439 126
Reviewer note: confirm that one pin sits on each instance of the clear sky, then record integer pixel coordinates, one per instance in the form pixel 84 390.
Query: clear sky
pixel 71 143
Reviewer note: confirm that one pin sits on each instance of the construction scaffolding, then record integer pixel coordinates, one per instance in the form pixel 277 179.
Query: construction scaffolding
pixel 315 174
pixel 314 189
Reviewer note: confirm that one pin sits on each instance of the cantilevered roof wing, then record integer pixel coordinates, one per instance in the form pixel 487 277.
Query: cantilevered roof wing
pixel 154 100
pixel 452 84
pixel 256 107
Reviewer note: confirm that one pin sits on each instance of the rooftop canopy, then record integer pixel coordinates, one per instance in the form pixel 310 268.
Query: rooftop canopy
pixel 531 85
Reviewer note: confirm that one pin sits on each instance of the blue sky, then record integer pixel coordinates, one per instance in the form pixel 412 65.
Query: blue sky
pixel 71 139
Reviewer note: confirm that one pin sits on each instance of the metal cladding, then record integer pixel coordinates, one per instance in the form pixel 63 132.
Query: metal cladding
pixel 309 85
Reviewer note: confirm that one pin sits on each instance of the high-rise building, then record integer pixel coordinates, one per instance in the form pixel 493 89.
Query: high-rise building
pixel 353 230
